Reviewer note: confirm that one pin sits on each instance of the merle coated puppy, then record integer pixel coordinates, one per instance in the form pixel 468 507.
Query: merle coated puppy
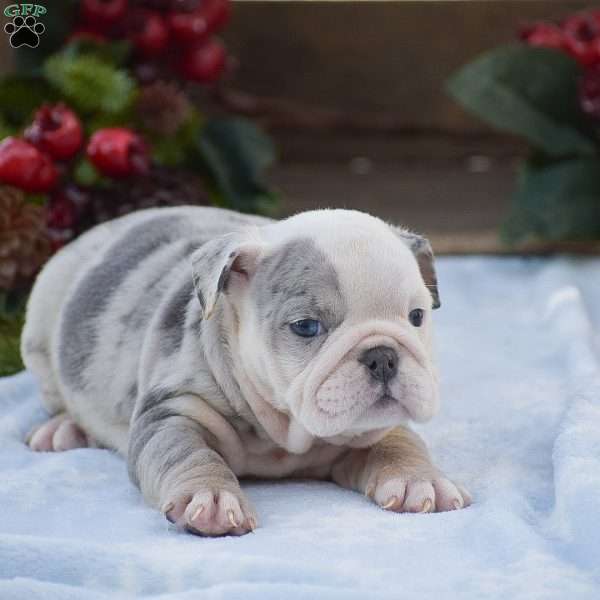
pixel 204 345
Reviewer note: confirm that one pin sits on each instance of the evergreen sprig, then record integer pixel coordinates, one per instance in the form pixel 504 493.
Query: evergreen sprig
pixel 89 83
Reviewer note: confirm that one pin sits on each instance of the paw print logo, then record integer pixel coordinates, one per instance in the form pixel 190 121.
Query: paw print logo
pixel 24 31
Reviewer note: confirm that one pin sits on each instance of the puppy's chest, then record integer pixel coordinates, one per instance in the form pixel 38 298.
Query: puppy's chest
pixel 265 459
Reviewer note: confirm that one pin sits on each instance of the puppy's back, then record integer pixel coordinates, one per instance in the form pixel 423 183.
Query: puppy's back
pixel 92 304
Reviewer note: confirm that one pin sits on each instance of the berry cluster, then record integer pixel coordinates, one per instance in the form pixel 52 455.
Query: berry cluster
pixel 178 32
pixel 56 134
pixel 36 162
pixel 578 36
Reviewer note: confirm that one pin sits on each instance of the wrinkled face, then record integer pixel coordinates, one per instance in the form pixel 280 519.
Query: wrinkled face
pixel 334 327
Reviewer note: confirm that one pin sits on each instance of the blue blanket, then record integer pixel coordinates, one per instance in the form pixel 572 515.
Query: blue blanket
pixel 518 346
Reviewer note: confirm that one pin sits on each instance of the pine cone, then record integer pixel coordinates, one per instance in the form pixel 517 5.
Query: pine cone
pixel 24 243
pixel 162 107
pixel 161 187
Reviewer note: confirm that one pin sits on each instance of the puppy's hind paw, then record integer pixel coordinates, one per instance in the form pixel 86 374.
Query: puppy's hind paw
pixel 212 512
pixel 57 434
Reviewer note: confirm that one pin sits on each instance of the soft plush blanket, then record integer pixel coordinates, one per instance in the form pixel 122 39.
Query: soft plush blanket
pixel 519 355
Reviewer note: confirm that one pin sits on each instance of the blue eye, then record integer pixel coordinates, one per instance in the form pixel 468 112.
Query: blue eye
pixel 307 327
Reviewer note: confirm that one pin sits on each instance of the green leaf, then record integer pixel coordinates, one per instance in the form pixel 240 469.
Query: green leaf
pixel 530 92
pixel 236 155
pixel 20 96
pixel 89 83
pixel 556 202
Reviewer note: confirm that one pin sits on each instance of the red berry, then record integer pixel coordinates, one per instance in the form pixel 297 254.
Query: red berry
pixel 585 53
pixel 582 32
pixel 188 27
pixel 56 130
pixel 194 26
pixel 204 63
pixel 544 35
pixel 589 92
pixel 218 13
pixel 118 152
pixel 24 166
pixel 103 12
pixel 148 31
pixel 583 26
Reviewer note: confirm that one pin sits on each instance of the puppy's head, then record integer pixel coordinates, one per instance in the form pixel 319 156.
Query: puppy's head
pixel 332 316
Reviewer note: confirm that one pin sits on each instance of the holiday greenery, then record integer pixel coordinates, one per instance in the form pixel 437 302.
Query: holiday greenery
pixel 99 120
pixel 546 89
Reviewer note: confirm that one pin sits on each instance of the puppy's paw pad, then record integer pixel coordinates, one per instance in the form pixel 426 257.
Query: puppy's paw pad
pixel 213 512
pixel 420 495
pixel 57 434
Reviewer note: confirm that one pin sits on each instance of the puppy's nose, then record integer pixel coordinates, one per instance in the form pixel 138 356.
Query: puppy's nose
pixel 381 361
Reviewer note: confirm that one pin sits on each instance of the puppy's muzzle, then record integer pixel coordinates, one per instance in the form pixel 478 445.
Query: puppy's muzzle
pixel 381 363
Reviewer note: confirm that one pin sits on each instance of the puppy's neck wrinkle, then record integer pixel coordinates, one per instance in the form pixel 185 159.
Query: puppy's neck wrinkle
pixel 241 392
pixel 217 351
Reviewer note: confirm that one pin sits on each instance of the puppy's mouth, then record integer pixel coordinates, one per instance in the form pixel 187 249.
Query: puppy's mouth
pixel 385 400
pixel 380 401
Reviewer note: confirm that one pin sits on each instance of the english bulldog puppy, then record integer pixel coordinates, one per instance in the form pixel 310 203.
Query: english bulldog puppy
pixel 205 345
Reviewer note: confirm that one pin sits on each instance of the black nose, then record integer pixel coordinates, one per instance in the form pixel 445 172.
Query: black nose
pixel 381 361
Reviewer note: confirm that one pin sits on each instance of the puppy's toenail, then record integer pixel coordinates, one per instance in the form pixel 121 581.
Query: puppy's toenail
pixel 231 518
pixel 390 502
pixel 198 512
pixel 167 507
pixel 427 505
pixel 370 491
pixel 457 504
pixel 252 523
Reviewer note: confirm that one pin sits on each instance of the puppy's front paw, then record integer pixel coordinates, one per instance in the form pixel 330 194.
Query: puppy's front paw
pixel 212 511
pixel 419 493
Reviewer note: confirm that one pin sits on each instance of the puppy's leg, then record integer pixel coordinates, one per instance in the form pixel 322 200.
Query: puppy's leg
pixel 60 432
pixel 398 474
pixel 178 473
pixel 36 357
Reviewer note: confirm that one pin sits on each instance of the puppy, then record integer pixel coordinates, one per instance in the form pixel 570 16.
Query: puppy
pixel 205 345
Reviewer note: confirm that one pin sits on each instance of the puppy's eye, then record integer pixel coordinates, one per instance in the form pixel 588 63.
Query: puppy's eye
pixel 416 317
pixel 307 327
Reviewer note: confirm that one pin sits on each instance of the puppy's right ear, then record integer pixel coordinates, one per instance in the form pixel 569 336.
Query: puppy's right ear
pixel 421 249
pixel 224 265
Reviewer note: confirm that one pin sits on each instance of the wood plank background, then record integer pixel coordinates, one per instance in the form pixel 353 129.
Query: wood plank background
pixel 353 93
pixel 375 57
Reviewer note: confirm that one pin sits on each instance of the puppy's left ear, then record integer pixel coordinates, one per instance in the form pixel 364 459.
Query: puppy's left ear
pixel 421 248
pixel 222 265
